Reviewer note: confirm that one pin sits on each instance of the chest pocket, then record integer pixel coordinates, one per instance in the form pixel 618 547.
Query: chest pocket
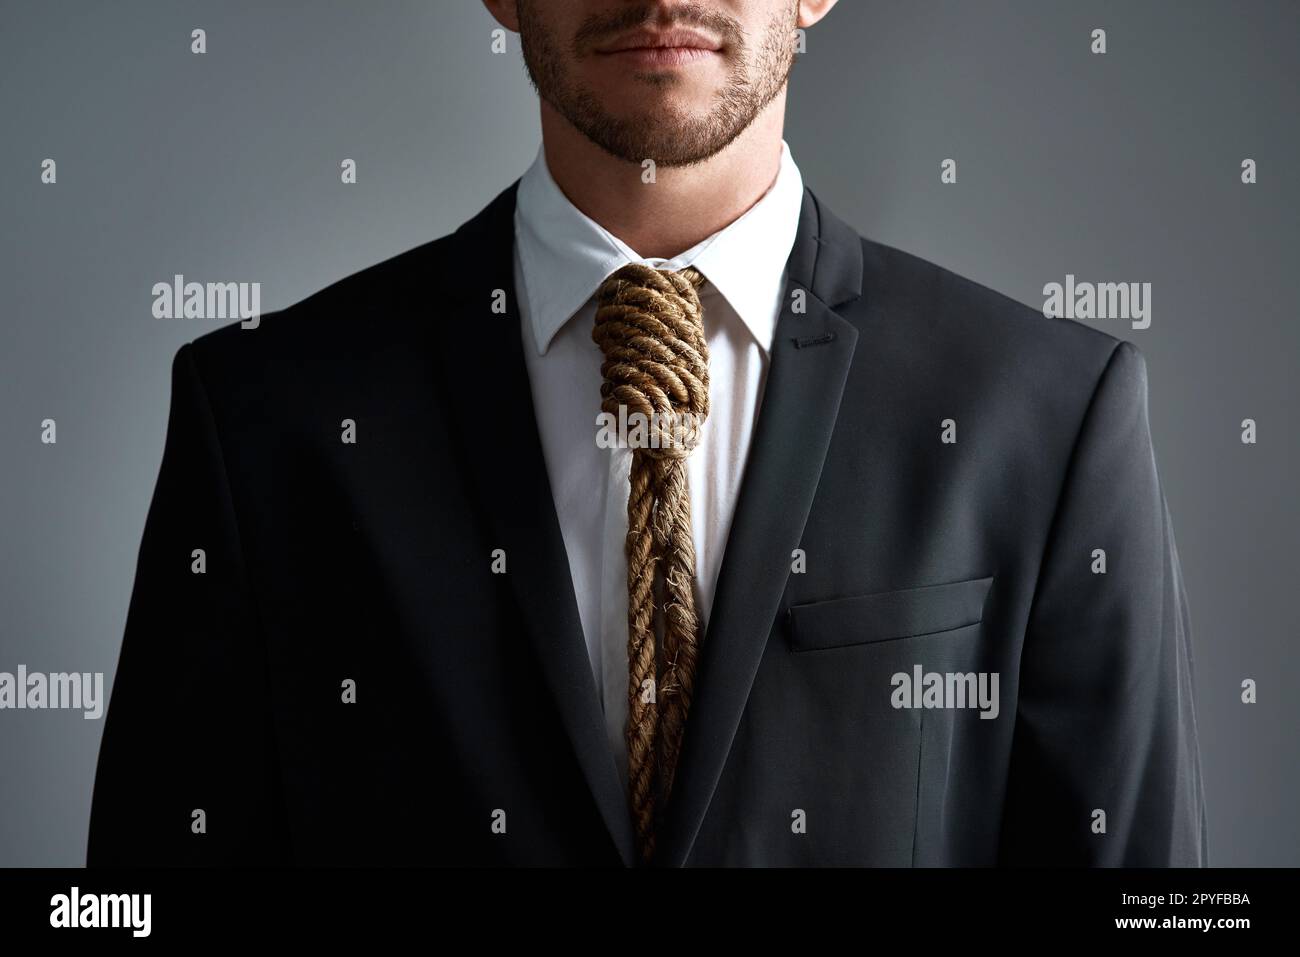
pixel 887 616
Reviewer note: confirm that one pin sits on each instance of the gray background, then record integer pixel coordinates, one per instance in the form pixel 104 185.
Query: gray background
pixel 1123 167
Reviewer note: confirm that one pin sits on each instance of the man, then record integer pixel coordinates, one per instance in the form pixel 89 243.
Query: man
pixel 419 586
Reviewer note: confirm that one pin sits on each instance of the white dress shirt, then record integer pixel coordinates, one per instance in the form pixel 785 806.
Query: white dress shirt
pixel 561 258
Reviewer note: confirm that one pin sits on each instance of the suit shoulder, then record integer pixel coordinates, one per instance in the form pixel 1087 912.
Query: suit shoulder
pixel 340 316
pixel 948 305
pixel 255 377
pixel 962 303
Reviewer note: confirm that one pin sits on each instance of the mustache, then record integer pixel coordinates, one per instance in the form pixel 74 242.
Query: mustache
pixel 604 26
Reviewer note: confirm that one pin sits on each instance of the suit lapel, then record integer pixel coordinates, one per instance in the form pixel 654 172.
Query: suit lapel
pixel 811 354
pixel 501 451
pixel 491 402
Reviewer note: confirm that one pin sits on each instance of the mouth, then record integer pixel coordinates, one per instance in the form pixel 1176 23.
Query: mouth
pixel 661 48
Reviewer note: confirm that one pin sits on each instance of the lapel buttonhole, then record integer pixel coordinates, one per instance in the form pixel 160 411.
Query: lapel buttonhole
pixel 802 342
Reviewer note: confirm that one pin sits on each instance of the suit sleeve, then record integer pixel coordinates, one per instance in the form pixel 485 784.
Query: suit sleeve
pixel 1105 764
pixel 187 774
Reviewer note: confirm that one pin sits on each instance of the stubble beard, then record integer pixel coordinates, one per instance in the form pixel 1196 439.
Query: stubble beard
pixel 668 136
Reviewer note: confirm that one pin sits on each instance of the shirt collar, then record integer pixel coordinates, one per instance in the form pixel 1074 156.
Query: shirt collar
pixel 565 256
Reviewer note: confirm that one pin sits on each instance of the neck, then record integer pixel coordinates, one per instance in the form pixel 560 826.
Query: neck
pixel 685 204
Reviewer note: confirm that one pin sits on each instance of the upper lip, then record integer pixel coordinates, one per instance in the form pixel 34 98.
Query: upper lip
pixel 650 39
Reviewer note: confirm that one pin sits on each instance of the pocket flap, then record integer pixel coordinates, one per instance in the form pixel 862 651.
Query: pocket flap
pixel 887 615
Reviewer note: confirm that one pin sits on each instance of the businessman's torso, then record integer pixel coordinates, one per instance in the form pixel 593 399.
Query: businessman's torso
pixel 412 586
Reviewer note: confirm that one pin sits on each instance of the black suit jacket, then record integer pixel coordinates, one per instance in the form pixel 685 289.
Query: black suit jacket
pixel 371 562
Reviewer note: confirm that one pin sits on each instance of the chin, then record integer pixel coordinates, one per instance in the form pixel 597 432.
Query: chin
pixel 657 105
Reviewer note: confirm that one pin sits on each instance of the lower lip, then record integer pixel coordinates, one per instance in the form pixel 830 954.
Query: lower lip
pixel 661 56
